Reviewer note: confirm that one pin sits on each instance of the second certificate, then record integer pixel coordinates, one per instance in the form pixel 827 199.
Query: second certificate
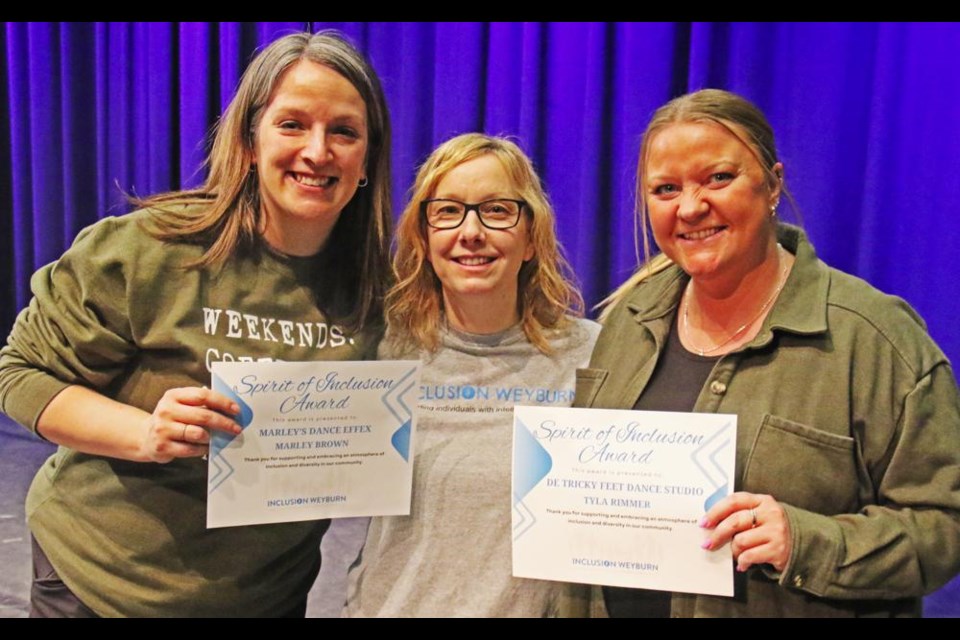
pixel 614 497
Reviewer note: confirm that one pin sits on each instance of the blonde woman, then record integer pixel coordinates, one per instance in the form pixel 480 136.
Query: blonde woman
pixel 484 297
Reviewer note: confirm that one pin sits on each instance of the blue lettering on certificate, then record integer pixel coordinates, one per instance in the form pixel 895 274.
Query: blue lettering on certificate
pixel 304 501
pixel 605 563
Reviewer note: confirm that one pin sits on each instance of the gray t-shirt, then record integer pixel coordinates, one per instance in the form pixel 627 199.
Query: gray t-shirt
pixel 452 555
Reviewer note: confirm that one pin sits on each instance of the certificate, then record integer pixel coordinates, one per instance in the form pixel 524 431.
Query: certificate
pixel 321 439
pixel 614 497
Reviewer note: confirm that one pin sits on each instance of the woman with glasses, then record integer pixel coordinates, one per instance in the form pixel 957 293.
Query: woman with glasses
pixel 483 296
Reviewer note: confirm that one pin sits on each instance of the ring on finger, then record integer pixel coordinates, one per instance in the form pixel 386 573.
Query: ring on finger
pixel 183 438
pixel 753 516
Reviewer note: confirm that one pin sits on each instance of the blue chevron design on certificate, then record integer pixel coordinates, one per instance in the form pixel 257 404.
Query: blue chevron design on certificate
pixel 398 400
pixel 713 472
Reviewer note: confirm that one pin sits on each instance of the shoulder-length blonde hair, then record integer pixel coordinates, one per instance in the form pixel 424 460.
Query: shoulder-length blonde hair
pixel 734 113
pixel 546 290
pixel 229 217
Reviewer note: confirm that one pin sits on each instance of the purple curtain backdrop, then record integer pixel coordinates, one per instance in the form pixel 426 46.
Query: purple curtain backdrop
pixel 865 116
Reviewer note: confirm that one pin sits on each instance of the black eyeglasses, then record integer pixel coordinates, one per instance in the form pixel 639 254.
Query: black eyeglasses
pixel 502 213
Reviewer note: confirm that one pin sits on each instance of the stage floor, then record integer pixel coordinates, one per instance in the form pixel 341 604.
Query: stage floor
pixel 21 454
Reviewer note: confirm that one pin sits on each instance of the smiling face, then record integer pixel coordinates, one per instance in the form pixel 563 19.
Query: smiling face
pixel 478 266
pixel 709 201
pixel 310 155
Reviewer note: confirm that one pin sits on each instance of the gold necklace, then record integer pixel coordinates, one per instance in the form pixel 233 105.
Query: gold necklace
pixel 733 336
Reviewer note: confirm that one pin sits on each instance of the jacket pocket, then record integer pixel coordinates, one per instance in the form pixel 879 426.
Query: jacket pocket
pixel 589 382
pixel 803 467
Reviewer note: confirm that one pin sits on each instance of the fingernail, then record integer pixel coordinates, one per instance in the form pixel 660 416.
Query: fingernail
pixel 706 544
pixel 235 408
pixel 704 523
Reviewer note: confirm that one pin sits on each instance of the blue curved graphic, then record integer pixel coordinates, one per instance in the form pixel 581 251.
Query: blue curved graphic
pixel 401 440
pixel 715 497
pixel 219 440
pixel 397 400
pixel 532 463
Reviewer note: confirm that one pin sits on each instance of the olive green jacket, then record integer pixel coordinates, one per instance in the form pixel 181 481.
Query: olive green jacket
pixel 848 414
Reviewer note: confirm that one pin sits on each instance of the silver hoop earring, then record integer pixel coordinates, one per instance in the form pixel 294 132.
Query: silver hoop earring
pixel 363 182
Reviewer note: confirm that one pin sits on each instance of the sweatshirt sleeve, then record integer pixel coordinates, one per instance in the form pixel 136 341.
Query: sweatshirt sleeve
pixel 908 543
pixel 76 328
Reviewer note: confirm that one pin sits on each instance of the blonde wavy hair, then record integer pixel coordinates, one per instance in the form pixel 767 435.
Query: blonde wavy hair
pixel 224 214
pixel 547 293
pixel 734 113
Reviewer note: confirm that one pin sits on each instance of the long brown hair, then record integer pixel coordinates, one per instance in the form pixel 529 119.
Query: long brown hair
pixel 546 289
pixel 227 216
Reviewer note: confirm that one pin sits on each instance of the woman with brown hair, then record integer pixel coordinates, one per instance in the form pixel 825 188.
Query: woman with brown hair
pixel 281 254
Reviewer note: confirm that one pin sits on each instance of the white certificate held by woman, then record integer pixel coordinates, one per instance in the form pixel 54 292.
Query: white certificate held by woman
pixel 319 440
pixel 615 497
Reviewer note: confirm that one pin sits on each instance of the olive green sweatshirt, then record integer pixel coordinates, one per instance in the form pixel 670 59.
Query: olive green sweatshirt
pixel 118 313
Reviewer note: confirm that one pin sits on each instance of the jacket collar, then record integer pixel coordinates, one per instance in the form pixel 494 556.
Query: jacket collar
pixel 800 308
pixel 802 305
